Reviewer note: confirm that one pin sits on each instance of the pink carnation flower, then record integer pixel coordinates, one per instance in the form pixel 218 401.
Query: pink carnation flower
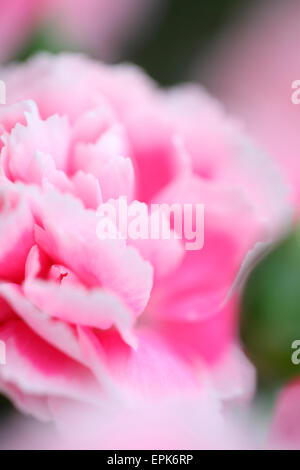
pixel 108 322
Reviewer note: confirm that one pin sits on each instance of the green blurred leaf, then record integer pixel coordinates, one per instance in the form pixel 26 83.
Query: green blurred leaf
pixel 270 313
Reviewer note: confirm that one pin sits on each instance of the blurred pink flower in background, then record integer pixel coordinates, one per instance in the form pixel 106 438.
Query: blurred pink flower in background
pixel 285 429
pixel 103 26
pixel 17 18
pixel 124 326
pixel 100 27
pixel 252 69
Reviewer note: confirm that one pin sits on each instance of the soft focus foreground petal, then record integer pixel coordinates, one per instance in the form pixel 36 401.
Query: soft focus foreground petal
pixel 186 421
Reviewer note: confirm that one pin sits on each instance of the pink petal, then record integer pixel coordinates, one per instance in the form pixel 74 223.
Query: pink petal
pixel 38 369
pixel 69 237
pixel 94 308
pixel 106 160
pixel 50 137
pixel 58 334
pixel 16 235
